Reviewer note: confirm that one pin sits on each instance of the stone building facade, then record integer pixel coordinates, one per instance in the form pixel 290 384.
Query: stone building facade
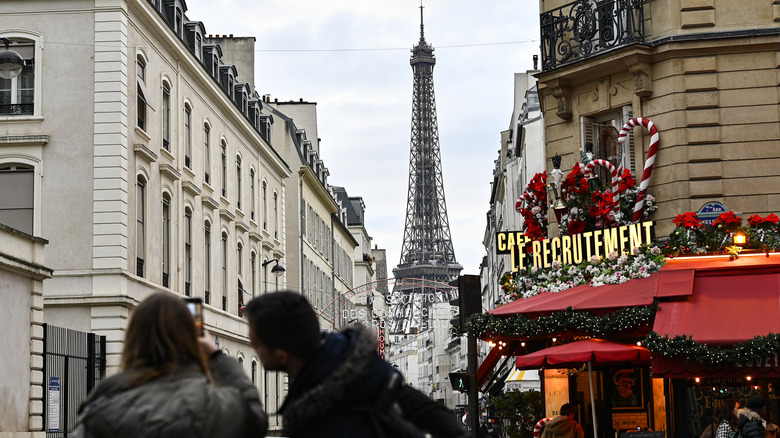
pixel 704 71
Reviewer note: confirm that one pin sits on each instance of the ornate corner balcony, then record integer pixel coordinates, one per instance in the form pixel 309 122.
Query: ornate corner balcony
pixel 586 28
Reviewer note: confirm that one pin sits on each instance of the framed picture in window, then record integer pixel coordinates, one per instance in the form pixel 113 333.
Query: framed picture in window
pixel 628 387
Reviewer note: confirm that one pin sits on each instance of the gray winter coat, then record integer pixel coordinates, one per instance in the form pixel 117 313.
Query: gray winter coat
pixel 184 405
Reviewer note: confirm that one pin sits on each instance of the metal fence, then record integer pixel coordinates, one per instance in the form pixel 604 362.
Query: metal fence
pixel 74 363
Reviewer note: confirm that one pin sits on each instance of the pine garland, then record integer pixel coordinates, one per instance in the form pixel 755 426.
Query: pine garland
pixel 569 319
pixel 744 353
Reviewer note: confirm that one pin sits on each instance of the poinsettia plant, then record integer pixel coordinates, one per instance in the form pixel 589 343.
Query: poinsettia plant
pixel 721 233
pixel 763 232
pixel 688 236
pixel 534 210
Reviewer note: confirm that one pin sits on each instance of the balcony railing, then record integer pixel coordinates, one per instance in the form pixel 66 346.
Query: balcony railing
pixel 586 28
pixel 17 109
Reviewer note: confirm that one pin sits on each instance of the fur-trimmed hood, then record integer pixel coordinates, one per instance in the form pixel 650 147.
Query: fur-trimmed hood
pixel 343 372
pixel 750 414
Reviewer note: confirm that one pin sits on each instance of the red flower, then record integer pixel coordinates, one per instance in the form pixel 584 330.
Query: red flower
pixel 627 181
pixel 728 219
pixel 756 220
pixel 575 227
pixel 773 218
pixel 688 220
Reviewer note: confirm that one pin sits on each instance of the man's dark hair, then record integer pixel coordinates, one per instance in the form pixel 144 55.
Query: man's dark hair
pixel 568 409
pixel 286 321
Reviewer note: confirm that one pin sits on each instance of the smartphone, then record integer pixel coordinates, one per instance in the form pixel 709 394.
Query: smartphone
pixel 195 306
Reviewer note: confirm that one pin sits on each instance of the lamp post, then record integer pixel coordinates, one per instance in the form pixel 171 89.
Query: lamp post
pixel 11 63
pixel 277 270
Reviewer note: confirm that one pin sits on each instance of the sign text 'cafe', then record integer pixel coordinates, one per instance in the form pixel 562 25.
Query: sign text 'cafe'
pixel 574 249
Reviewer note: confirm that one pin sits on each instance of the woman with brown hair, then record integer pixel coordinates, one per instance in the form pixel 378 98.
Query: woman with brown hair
pixel 173 383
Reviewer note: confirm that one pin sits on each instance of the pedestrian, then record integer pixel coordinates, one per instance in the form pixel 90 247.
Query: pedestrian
pixel 750 423
pixel 564 425
pixel 173 383
pixel 725 420
pixel 339 386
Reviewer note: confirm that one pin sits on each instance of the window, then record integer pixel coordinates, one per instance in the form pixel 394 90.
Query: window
pixel 17 194
pixel 187 252
pixel 166 239
pixel 17 95
pixel 224 270
pixel 238 182
pixel 188 136
pixel 198 53
pixel 253 262
pixel 276 215
pixel 207 262
pixel 265 205
pixel 240 257
pixel 224 168
pixel 166 115
pixel 254 372
pixel 252 190
pixel 142 98
pixel 140 229
pixel 206 153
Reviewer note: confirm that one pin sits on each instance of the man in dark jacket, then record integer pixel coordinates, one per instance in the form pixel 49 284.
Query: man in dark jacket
pixel 564 425
pixel 750 423
pixel 339 387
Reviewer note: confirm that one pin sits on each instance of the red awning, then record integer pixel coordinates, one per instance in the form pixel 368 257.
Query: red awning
pixel 727 307
pixel 639 292
pixel 572 355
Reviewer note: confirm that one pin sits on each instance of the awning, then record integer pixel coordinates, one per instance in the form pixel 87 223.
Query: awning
pixel 727 307
pixel 639 292
pixel 574 354
pixel 523 376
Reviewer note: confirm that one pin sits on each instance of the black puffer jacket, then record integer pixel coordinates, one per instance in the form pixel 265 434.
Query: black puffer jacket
pixel 333 395
pixel 750 424
pixel 184 405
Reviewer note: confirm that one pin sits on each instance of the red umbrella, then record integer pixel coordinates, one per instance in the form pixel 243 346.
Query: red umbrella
pixel 574 354
pixel 590 351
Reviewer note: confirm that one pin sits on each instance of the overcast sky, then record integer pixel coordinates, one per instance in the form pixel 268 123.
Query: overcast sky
pixel 351 57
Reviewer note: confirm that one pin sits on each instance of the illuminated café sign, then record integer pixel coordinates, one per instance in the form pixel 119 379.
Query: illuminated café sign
pixel 574 249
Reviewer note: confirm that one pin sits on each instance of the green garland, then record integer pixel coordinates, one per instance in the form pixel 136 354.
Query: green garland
pixel 569 319
pixel 756 349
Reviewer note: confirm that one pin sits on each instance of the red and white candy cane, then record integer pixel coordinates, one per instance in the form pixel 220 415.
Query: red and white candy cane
pixel 539 426
pixel 527 196
pixel 613 172
pixel 650 126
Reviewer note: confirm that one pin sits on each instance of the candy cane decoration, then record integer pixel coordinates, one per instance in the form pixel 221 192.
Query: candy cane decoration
pixel 527 196
pixel 539 426
pixel 650 126
pixel 613 172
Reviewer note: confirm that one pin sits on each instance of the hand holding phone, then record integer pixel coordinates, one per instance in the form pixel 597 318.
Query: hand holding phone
pixel 195 306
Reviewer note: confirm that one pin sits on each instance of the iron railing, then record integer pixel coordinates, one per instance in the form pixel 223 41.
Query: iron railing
pixel 17 109
pixel 586 28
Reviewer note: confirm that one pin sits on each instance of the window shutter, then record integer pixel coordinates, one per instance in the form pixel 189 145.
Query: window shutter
pixel 588 130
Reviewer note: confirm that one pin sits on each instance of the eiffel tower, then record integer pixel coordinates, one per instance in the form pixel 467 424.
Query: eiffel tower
pixel 427 258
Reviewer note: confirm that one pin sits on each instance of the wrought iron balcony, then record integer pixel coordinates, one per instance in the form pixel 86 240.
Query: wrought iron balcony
pixel 17 109
pixel 586 28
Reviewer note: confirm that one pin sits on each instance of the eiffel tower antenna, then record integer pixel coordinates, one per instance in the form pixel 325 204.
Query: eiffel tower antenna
pixel 427 257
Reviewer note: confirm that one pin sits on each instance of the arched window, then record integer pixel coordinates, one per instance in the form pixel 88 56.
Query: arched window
pixel 206 153
pixel 18 94
pixel 188 135
pixel 224 168
pixel 253 262
pixel 265 205
pixel 187 251
pixel 17 196
pixel 254 372
pixel 238 182
pixel 166 116
pixel 141 95
pixel 240 257
pixel 166 239
pixel 276 215
pixel 252 194
pixel 207 262
pixel 224 270
pixel 140 228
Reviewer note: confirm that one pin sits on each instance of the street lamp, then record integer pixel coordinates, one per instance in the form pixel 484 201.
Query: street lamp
pixel 277 270
pixel 11 63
